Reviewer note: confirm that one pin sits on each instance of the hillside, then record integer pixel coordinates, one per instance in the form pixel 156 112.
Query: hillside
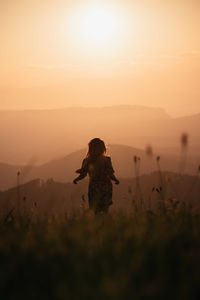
pixel 42 135
pixel 63 169
pixel 52 197
pixel 46 134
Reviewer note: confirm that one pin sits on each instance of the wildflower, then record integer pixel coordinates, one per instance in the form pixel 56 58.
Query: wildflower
pixel 184 140
pixel 149 150
pixel 167 179
pixel 83 198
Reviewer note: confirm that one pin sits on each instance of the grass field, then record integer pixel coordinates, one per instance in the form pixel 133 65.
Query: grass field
pixel 140 255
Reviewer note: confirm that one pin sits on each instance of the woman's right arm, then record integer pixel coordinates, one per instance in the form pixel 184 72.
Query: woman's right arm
pixel 83 172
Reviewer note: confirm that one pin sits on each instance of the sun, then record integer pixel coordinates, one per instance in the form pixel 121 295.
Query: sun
pixel 99 26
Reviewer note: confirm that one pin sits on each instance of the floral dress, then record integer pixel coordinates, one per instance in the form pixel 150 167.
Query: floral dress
pixel 100 189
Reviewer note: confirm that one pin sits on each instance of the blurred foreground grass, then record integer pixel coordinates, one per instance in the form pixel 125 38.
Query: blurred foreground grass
pixel 116 256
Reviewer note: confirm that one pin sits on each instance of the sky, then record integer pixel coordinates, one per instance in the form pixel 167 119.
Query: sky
pixel 56 54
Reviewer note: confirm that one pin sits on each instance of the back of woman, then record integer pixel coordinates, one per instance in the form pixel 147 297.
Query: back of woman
pixel 100 171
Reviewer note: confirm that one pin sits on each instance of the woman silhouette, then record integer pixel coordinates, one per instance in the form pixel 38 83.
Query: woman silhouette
pixel 99 168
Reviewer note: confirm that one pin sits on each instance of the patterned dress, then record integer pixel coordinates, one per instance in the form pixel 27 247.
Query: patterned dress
pixel 100 189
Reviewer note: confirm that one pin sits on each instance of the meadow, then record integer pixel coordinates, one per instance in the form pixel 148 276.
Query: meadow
pixel 146 247
pixel 140 255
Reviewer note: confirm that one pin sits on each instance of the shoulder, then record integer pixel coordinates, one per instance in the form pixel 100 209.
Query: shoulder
pixel 108 158
pixel 85 161
pixel 109 164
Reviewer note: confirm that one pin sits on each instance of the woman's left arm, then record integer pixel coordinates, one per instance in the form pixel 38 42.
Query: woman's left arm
pixel 111 171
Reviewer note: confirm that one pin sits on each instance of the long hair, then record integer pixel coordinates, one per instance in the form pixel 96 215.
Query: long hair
pixel 96 149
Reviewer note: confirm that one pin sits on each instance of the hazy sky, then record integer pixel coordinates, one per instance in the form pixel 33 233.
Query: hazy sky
pixel 69 53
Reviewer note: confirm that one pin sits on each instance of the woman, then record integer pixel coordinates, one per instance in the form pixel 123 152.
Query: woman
pixel 99 168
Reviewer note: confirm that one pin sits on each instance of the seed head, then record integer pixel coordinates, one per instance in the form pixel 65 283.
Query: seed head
pixel 184 140
pixel 167 178
pixel 135 159
pixel 149 150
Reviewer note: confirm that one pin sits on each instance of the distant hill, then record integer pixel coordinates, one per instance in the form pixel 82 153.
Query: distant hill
pixel 63 169
pixel 42 135
pixel 8 175
pixel 52 133
pixel 52 197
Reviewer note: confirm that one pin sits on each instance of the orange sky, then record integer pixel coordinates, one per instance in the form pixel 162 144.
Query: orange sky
pixel 152 59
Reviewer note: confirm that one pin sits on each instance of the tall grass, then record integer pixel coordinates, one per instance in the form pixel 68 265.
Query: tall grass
pixel 114 256
pixel 151 252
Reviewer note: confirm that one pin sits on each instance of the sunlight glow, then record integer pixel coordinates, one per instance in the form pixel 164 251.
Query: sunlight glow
pixel 97 27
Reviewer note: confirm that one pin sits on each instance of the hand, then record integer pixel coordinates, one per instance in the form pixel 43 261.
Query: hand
pixel 74 181
pixel 117 181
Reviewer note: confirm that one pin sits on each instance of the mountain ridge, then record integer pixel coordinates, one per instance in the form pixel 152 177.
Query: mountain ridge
pixel 53 133
pixel 63 169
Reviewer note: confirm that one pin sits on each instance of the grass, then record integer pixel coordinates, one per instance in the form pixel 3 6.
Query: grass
pixel 141 255
pixel 150 252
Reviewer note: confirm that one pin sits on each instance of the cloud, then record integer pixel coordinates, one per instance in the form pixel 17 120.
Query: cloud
pixel 137 60
pixel 190 54
pixel 48 67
